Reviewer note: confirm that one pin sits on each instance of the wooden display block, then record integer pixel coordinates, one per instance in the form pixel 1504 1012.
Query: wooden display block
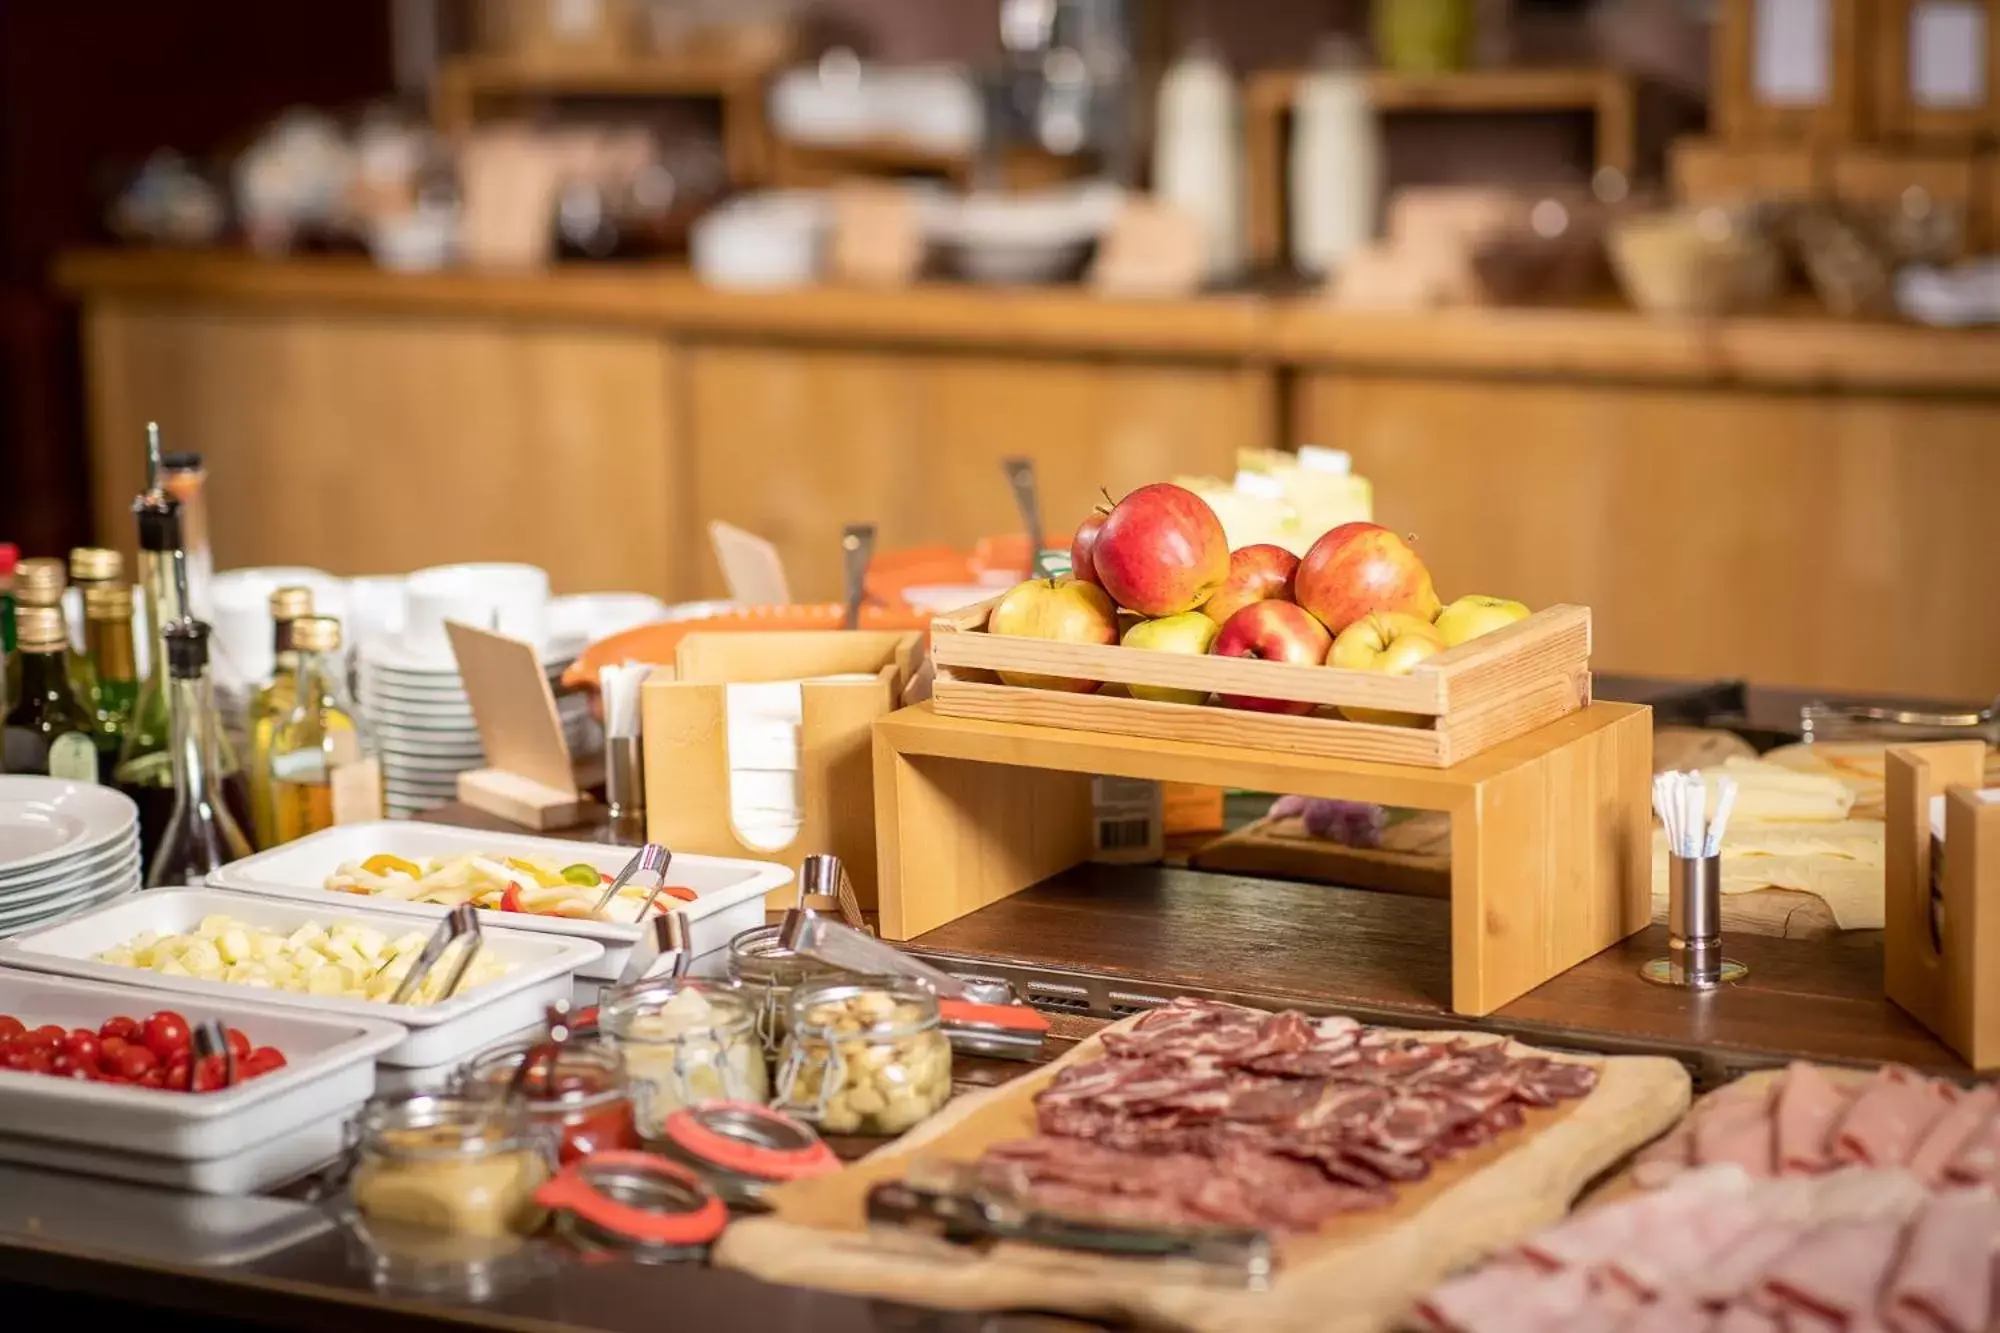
pixel 1550 832
pixel 1710 171
pixel 1947 978
pixel 1468 699
pixel 684 721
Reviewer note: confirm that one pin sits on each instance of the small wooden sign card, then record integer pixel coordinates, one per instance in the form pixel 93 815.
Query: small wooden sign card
pixel 1790 71
pixel 1935 63
pixel 528 779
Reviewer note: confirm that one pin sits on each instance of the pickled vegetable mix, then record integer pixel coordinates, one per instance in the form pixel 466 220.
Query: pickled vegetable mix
pixel 535 885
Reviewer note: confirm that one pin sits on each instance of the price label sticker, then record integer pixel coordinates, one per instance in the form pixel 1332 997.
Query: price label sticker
pixel 1127 823
pixel 357 791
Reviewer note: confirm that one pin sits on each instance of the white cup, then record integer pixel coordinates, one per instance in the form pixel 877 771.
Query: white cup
pixel 506 599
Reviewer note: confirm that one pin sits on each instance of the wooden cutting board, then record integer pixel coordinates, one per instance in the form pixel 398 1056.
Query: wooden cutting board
pixel 1357 1274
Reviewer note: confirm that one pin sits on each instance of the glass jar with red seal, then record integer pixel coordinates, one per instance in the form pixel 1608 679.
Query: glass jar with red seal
pixel 741 1150
pixel 580 1097
pixel 633 1205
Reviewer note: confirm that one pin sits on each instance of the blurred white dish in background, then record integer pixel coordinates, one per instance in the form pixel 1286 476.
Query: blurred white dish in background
pixel 768 239
pixel 1012 239
pixel 241 599
pixel 509 599
pixel 940 597
pixel 843 101
pixel 577 621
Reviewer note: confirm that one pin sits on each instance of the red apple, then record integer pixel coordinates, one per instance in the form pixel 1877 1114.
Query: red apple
pixel 1161 551
pixel 1083 545
pixel 1256 574
pixel 1271 631
pixel 1063 610
pixel 1358 568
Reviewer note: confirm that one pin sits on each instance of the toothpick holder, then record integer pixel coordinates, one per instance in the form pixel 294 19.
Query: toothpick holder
pixel 1694 928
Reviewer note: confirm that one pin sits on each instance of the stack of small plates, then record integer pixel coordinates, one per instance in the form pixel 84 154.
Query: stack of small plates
pixel 65 847
pixel 424 730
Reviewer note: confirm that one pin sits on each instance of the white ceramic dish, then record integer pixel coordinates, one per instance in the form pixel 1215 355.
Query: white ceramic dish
pixel 83 865
pixel 120 866
pixel 146 1134
pixel 544 963
pixel 730 892
pixel 43 820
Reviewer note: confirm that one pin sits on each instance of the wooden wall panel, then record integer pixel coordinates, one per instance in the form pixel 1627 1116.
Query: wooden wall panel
pixel 1844 542
pixel 366 444
pixel 792 443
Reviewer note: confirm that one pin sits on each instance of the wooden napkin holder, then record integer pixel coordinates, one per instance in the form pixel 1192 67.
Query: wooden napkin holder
pixel 684 720
pixel 1947 979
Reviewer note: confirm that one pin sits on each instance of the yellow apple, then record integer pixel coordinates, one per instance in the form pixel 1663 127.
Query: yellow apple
pixel 1473 615
pixel 1065 610
pixel 1392 642
pixel 1190 632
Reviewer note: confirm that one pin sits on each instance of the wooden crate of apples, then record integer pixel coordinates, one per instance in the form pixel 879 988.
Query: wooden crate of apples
pixel 1162 631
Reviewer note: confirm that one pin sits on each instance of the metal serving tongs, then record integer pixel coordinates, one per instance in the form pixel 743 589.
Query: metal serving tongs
pixel 653 859
pixel 665 938
pixel 1982 724
pixel 209 1038
pixel 1027 498
pixel 950 1201
pixel 823 879
pixel 461 923
pixel 857 552
pixel 979 1019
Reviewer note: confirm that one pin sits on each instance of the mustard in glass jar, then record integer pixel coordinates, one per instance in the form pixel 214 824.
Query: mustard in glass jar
pixel 864 1055
pixel 684 1042
pixel 465 1165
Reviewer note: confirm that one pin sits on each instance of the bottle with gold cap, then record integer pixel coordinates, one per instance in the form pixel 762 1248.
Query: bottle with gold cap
pixel 89 567
pixel 10 669
pixel 40 582
pixel 273 704
pixel 48 730
pixel 107 635
pixel 200 834
pixel 323 769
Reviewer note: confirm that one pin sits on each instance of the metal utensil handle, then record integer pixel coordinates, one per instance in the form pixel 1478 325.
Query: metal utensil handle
pixel 210 1038
pixel 823 875
pixel 459 921
pixel 666 935
pixel 1901 717
pixel 1027 498
pixel 471 942
pixel 853 950
pixel 857 548
pixel 652 857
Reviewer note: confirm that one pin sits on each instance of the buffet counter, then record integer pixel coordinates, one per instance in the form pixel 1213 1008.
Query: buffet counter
pixel 364 421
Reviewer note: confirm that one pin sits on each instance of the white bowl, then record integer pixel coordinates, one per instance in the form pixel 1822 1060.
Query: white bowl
pixel 509 599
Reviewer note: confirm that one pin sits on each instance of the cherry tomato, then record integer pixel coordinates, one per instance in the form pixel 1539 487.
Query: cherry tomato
pixel 166 1034
pixel 152 1078
pixel 82 1045
pixel 121 1027
pixel 47 1037
pixel 11 1026
pixel 239 1044
pixel 15 1057
pixel 178 1071
pixel 108 1048
pixel 263 1060
pixel 82 1073
pixel 135 1062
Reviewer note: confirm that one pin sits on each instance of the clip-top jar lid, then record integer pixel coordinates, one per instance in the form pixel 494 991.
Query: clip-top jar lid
pixel 749 1140
pixel 636 1198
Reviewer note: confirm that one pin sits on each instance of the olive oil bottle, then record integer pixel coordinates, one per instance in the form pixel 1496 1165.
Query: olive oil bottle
pixel 272 705
pixel 107 636
pixel 323 769
pixel 48 730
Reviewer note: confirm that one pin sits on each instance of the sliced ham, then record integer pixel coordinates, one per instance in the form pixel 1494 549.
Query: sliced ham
pixel 1943 1284
pixel 1884 1125
pixel 1503 1298
pixel 1670 1314
pixel 1977 1161
pixel 1951 1133
pixel 1836 1272
pixel 1737 1133
pixel 1808 1105
pixel 1736 1270
pixel 1745 1319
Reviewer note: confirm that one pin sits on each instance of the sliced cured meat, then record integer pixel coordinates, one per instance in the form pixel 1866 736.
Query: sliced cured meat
pixel 1306 1064
pixel 1951 1133
pixel 1665 1158
pixel 1745 1319
pixel 1883 1125
pixel 1281 1034
pixel 1838 1271
pixel 1977 1162
pixel 1670 1314
pixel 1506 1298
pixel 1544 1082
pixel 1944 1282
pixel 1737 1133
pixel 1392 1165
pixel 1275 1101
pixel 1808 1105
pixel 1410 1124
pixel 1335 1030
pixel 1738 1269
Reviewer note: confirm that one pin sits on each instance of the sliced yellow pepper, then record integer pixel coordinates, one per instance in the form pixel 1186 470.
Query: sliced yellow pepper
pixel 382 863
pixel 534 872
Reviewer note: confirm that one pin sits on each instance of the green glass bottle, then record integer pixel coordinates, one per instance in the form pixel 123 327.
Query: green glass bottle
pixel 48 729
pixel 107 628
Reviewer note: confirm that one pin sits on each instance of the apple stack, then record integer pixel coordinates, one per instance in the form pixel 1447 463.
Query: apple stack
pixel 1155 572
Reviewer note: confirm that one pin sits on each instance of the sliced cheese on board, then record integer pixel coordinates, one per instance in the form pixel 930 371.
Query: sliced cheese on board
pixel 1840 863
pixel 1767 791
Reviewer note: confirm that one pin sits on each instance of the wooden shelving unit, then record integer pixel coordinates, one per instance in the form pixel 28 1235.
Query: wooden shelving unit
pixel 1607 95
pixel 468 88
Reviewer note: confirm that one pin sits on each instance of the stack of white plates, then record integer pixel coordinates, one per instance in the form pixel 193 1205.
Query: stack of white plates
pixel 424 729
pixel 65 847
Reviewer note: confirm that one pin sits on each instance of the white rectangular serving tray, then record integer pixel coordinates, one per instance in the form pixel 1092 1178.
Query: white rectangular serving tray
pixel 434 1033
pixel 730 891
pixel 158 1226
pixel 246 1137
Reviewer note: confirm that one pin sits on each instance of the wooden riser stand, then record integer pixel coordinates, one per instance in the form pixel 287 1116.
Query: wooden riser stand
pixel 1550 832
